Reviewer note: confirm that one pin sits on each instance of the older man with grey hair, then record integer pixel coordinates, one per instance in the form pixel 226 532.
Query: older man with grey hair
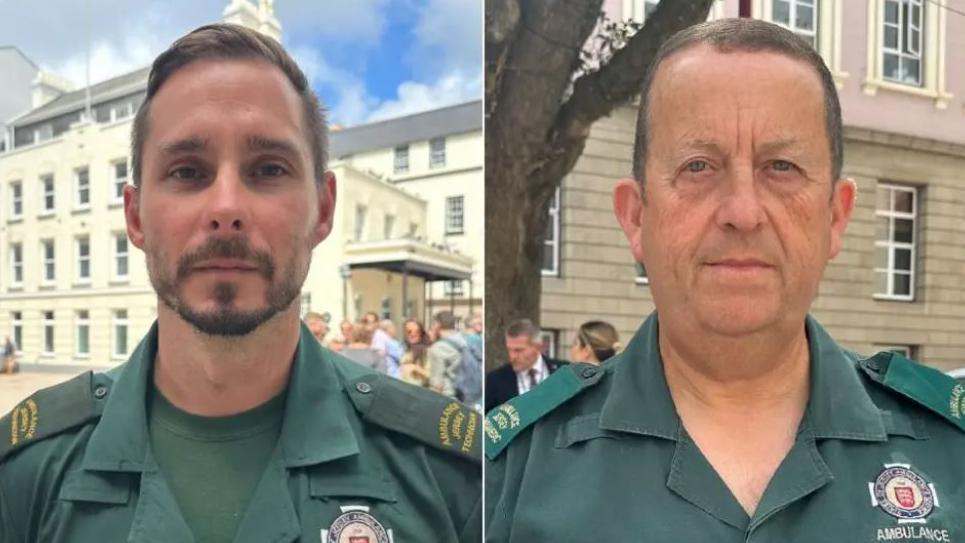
pixel 732 415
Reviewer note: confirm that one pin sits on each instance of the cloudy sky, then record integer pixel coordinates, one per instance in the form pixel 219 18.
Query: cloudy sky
pixel 367 59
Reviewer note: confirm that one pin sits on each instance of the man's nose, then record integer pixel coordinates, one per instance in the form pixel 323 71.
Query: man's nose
pixel 227 211
pixel 740 205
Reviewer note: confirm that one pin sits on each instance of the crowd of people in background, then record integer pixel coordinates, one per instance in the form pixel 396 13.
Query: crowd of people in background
pixel 447 357
pixel 441 357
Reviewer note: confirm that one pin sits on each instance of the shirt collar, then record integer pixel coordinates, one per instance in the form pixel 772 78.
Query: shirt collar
pixel 838 407
pixel 315 428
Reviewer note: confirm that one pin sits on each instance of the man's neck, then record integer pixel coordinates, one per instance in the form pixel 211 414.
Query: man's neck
pixel 219 376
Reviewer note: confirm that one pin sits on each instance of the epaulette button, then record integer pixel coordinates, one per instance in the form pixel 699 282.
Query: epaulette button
pixel 100 392
pixel 873 365
pixel 364 388
pixel 589 372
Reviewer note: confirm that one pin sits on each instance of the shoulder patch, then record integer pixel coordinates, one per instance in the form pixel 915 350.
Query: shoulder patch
pixel 923 385
pixel 506 421
pixel 51 411
pixel 434 419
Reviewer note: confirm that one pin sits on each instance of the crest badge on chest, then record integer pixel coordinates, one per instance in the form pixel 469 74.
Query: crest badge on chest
pixel 356 525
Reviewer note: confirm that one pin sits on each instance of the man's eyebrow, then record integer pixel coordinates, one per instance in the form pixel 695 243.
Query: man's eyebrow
pixel 187 145
pixel 264 143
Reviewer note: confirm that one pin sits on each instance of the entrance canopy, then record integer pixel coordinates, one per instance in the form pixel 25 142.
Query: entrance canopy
pixel 409 257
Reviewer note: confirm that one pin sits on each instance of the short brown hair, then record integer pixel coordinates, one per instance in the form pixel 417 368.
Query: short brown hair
pixel 230 41
pixel 727 35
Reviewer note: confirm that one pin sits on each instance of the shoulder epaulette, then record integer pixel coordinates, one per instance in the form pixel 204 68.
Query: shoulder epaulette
pixel 433 419
pixel 923 385
pixel 51 411
pixel 505 422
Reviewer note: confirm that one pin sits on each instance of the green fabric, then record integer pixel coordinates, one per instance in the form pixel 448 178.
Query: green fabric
pixel 613 462
pixel 99 481
pixel 213 464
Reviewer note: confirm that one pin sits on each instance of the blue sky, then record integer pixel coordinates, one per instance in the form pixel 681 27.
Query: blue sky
pixel 367 59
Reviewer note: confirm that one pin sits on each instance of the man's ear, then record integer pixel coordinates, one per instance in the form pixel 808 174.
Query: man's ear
pixel 326 208
pixel 842 205
pixel 628 206
pixel 132 214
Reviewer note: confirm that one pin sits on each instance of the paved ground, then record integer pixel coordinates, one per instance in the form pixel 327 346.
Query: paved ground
pixel 33 377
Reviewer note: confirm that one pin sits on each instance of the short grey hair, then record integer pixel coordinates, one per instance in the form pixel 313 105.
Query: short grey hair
pixel 729 35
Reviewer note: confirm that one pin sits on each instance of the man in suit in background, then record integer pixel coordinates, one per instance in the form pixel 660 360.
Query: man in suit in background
pixel 527 366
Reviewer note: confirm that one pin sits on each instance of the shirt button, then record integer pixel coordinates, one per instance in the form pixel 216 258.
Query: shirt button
pixel 100 392
pixel 874 366
pixel 364 388
pixel 589 372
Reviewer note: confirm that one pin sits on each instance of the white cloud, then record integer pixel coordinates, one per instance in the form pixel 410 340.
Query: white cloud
pixel 414 97
pixel 108 60
pixel 352 102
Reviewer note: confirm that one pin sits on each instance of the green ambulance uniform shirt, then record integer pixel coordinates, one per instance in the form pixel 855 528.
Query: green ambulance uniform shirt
pixel 361 458
pixel 599 454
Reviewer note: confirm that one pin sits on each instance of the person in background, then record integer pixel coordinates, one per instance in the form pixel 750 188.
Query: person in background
pixel 346 332
pixel 595 342
pixel 527 366
pixel 445 354
pixel 318 324
pixel 360 352
pixel 9 357
pixel 380 339
pixel 414 365
pixel 393 348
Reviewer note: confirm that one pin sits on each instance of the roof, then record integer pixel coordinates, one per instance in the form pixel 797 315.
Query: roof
pixel 109 89
pixel 457 119
pixel 21 53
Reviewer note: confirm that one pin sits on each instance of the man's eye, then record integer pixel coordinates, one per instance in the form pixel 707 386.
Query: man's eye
pixel 696 166
pixel 782 166
pixel 186 173
pixel 270 170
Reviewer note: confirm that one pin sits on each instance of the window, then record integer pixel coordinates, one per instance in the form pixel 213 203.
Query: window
pixel 43 133
pixel 639 10
pixel 550 339
pixel 47 201
pixel 82 334
pixel 83 260
pixel 400 164
pixel 799 16
pixel 413 230
pixel 48 261
pixel 388 226
pixel 16 330
pixel 894 256
pixel 120 333
pixel 360 212
pixel 551 247
pixel 453 288
pixel 437 152
pixel 119 181
pixel 906 49
pixel 48 332
pixel 82 184
pixel 454 215
pixel 901 45
pixel 120 256
pixel 16 264
pixel 121 111
pixel 641 278
pixel 16 200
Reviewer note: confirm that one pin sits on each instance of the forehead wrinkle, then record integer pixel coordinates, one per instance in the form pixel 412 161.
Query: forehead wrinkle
pixel 259 142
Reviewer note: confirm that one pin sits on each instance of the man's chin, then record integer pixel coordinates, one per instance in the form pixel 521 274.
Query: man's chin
pixel 226 322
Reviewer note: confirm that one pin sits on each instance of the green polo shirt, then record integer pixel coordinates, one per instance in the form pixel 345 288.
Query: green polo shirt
pixel 599 454
pixel 358 455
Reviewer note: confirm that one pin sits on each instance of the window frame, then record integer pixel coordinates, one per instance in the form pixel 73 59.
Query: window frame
pixel 358 230
pixel 16 330
pixel 45 194
pixel 437 155
pixel 16 264
pixel 45 261
pixel 555 211
pixel 118 320
pixel 16 201
pixel 454 216
pixel 400 159
pixel 78 188
pixel 50 322
pixel 81 320
pixel 116 255
pixel 79 259
pixel 115 197
pixel 828 32
pixel 891 245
